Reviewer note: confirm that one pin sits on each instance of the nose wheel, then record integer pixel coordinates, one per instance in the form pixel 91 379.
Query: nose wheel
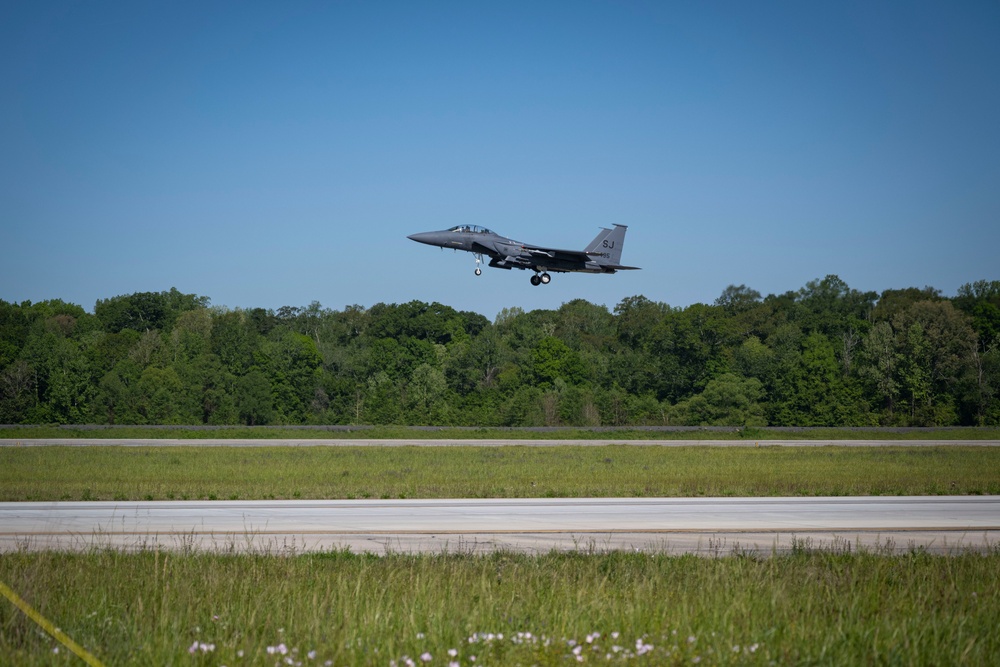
pixel 479 260
pixel 541 279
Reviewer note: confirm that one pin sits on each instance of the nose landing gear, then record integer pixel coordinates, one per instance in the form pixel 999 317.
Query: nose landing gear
pixel 479 260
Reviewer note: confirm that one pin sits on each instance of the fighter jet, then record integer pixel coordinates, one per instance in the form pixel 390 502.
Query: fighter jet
pixel 601 256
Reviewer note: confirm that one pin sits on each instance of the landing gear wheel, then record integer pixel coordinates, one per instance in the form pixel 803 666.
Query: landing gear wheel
pixel 479 271
pixel 535 280
pixel 545 278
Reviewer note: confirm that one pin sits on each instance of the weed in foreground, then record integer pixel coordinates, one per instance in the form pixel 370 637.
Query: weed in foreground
pixel 340 608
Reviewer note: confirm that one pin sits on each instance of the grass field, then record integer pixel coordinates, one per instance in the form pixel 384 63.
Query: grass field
pixel 416 433
pixel 250 473
pixel 158 608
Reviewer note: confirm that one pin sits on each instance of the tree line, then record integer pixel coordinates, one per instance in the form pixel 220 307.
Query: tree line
pixel 823 355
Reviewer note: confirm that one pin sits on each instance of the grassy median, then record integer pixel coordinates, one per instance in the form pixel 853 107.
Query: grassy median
pixel 247 473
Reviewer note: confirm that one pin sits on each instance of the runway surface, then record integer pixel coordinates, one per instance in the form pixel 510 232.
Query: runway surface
pixel 943 524
pixel 436 442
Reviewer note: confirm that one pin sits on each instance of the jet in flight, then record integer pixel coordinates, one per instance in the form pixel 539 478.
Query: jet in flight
pixel 601 256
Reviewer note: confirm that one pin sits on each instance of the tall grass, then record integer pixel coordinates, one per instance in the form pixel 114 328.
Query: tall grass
pixel 125 473
pixel 804 608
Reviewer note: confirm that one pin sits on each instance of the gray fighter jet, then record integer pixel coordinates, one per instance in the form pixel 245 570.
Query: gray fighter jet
pixel 601 256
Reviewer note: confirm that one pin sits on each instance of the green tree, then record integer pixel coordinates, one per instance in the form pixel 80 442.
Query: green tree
pixel 880 362
pixel 159 394
pixel 117 400
pixel 829 306
pixel 145 311
pixel 15 326
pixel 18 397
pixel 981 301
pixel 292 364
pixel 253 398
pixel 555 360
pixel 914 373
pixel 738 299
pixel 382 400
pixel 944 354
pixel 234 340
pixel 753 359
pixel 584 326
pixel 894 301
pixel 191 336
pixel 727 400
pixel 426 390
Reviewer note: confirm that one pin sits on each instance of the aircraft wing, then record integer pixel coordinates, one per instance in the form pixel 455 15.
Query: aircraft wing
pixel 537 252
pixel 556 253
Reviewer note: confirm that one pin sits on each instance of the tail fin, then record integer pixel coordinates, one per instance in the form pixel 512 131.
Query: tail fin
pixel 594 248
pixel 607 247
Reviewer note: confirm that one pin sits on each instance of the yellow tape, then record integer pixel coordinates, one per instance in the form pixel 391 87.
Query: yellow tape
pixel 48 627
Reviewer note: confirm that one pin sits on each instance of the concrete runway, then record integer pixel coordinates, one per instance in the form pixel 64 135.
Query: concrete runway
pixel 712 526
pixel 437 442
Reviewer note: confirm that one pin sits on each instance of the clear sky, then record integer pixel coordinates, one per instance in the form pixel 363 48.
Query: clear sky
pixel 279 153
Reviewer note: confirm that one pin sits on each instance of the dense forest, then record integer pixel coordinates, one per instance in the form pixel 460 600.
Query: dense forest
pixel 822 355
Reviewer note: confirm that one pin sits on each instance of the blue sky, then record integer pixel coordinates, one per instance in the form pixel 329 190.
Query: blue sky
pixel 270 154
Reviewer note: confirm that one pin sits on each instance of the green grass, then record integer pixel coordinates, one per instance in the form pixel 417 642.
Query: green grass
pixel 244 473
pixel 413 433
pixel 150 608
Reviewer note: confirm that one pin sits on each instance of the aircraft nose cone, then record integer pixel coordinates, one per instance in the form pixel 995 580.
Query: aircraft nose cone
pixel 423 237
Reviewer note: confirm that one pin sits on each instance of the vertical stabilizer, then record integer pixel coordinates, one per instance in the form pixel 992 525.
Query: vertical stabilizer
pixel 607 247
pixel 595 245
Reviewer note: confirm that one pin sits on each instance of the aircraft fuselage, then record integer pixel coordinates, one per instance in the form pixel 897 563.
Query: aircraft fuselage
pixel 601 256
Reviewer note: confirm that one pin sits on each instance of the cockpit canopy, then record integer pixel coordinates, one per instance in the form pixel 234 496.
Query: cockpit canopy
pixel 474 229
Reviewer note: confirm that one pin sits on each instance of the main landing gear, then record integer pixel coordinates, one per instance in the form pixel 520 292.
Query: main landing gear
pixel 540 279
